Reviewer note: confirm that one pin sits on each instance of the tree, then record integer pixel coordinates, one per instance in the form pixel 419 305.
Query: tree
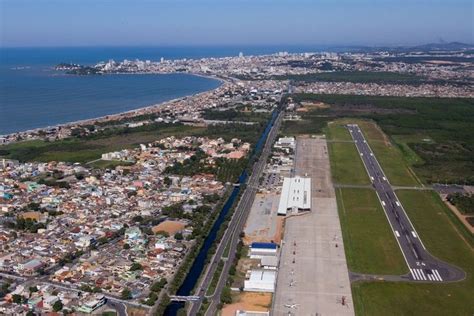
pixel 162 233
pixel 34 206
pixel 126 246
pixel 85 288
pixel 126 294
pixel 157 286
pixel 17 299
pixel 136 266
pixel 138 218
pixel 226 296
pixel 57 306
pixel 167 181
pixel 178 236
pixel 33 289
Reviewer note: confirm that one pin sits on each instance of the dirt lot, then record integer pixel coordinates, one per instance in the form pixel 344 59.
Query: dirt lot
pixel 171 227
pixel 308 106
pixel 132 311
pixel 463 218
pixel 279 230
pixel 249 301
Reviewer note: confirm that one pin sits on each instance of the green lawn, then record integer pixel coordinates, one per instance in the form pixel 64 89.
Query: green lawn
pixel 346 165
pixel 308 125
pixel 336 131
pixel 368 239
pixel 409 154
pixel 446 239
pixel 389 156
pixel 91 147
pixel 433 135
pixel 109 164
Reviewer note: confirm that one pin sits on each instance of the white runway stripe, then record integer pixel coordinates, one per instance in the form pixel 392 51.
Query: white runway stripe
pixel 437 273
pixel 429 277
pixel 413 274
pixel 417 274
pixel 435 278
pixel 423 274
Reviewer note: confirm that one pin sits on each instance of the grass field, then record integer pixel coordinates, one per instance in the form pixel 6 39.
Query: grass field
pixel 346 165
pixel 369 242
pixel 445 238
pixel 91 147
pixel 403 141
pixel 356 76
pixel 432 135
pixel 310 124
pixel 389 156
pixel 337 132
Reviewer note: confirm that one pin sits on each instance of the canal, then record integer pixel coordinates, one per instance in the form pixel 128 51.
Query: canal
pixel 199 263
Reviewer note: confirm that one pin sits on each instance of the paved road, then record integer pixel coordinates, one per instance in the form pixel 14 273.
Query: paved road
pixel 423 266
pixel 236 225
pixel 119 307
pixel 370 186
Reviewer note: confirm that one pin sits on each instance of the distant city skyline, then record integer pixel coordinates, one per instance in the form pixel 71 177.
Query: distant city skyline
pixel 29 23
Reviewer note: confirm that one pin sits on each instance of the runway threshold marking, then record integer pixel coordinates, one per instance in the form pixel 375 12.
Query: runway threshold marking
pixel 419 275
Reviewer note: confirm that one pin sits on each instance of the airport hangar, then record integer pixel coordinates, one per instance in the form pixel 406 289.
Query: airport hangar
pixel 295 195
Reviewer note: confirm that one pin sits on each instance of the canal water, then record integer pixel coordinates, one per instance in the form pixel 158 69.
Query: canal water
pixel 199 263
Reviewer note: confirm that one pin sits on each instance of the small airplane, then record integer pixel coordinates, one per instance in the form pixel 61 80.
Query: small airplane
pixel 291 305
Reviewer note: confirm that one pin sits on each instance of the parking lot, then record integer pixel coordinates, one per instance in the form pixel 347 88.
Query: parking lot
pixel 262 223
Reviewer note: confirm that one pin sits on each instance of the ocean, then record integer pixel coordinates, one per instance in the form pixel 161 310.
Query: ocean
pixel 33 94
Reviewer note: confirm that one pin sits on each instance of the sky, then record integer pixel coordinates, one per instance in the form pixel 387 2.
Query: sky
pixel 35 23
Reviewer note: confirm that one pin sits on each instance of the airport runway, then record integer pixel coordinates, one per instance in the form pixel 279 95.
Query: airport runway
pixel 423 266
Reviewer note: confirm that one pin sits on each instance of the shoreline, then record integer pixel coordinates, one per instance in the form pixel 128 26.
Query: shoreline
pixel 124 114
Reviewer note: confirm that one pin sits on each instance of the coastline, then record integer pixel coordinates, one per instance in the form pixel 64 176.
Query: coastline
pixel 153 108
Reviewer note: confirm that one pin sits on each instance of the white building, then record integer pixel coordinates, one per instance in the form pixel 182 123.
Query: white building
pixel 269 262
pixel 258 250
pixel 295 195
pixel 261 281
pixel 286 142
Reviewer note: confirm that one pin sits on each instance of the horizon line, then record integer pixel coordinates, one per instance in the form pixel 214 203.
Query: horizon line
pixel 340 45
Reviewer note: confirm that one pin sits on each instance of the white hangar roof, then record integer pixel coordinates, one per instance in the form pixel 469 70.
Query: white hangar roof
pixel 295 194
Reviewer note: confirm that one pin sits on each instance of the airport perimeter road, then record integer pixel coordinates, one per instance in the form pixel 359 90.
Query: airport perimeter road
pixel 236 225
pixel 423 266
